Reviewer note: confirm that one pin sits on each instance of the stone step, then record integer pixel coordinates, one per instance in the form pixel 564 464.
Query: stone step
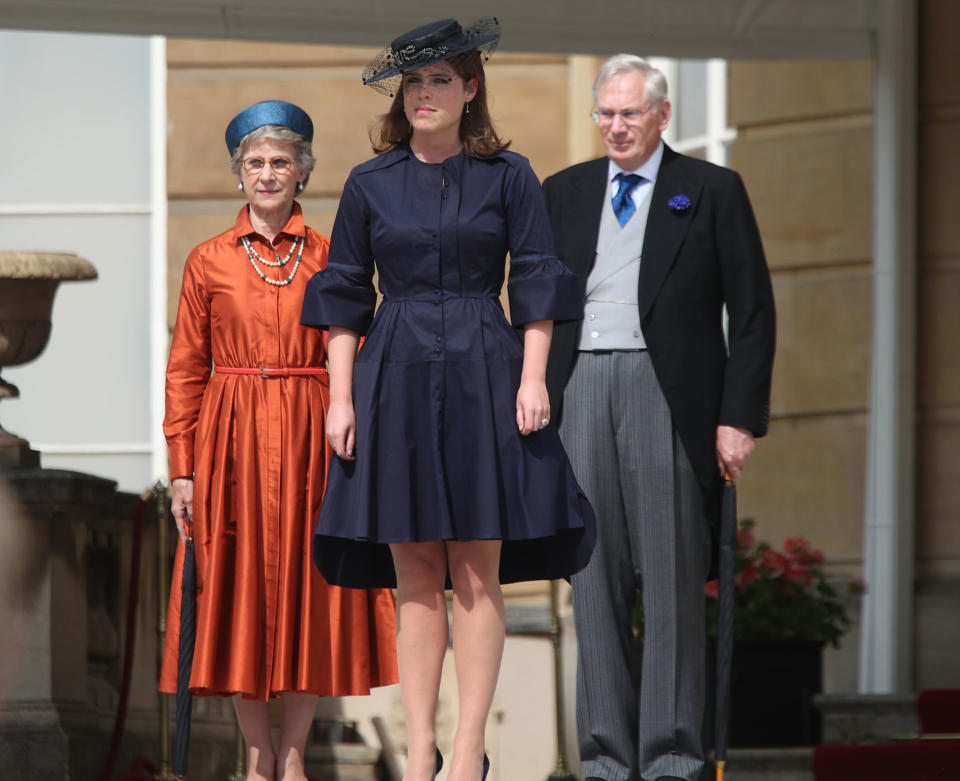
pixel 769 764
pixel 343 762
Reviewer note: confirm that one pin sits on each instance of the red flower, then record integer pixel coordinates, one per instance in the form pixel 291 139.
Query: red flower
pixel 773 562
pixel 747 575
pixel 796 545
pixel 799 574
pixel 782 594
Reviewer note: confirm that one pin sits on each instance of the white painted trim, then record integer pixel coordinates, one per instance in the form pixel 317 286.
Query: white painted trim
pixel 670 69
pixel 93 448
pixel 719 135
pixel 158 254
pixel 887 629
pixel 72 209
pixel 708 142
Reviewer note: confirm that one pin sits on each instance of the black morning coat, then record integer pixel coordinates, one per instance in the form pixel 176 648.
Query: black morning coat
pixel 694 260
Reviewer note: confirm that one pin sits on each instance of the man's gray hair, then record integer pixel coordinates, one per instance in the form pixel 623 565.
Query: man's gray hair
pixel 655 83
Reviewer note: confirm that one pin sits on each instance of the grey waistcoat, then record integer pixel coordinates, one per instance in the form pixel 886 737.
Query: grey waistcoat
pixel 611 318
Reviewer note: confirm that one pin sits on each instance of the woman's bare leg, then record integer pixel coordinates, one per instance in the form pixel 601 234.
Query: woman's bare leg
pixel 478 638
pixel 296 716
pixel 422 633
pixel 254 719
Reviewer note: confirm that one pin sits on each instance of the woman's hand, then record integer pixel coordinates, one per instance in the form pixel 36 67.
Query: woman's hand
pixel 533 401
pixel 341 428
pixel 181 505
pixel 533 406
pixel 341 422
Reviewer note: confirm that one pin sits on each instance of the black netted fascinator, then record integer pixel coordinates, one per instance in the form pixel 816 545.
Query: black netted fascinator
pixel 429 44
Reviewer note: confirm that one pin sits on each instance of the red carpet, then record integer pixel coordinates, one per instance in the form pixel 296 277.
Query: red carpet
pixel 933 759
pixel 928 760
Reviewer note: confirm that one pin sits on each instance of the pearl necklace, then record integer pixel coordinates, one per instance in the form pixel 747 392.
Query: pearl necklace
pixel 275 264
pixel 254 257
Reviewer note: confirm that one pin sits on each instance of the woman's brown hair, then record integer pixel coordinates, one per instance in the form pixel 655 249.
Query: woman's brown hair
pixel 476 128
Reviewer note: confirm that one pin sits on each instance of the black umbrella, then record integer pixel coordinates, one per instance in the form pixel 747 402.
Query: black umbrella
pixel 725 596
pixel 188 633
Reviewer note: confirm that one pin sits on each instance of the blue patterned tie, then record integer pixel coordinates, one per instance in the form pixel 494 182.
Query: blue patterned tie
pixel 622 202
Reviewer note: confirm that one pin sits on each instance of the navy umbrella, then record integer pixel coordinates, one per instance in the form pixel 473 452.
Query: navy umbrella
pixel 725 597
pixel 188 633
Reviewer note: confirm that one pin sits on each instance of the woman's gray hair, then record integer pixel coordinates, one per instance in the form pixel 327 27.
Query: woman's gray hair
pixel 305 159
pixel 654 85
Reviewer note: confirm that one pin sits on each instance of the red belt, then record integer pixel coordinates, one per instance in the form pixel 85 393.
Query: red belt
pixel 263 371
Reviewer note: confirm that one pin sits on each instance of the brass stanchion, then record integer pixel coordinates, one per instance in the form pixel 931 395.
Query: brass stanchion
pixel 560 771
pixel 240 770
pixel 163 583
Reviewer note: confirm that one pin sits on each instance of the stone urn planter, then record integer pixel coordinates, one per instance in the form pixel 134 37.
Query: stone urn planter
pixel 28 283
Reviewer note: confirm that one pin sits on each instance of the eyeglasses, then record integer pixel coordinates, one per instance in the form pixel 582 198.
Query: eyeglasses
pixel 630 116
pixel 280 165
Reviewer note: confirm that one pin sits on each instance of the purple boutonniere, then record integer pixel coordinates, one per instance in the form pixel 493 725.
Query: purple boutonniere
pixel 679 203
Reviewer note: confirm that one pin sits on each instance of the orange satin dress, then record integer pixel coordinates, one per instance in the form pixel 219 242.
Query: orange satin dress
pixel 267 622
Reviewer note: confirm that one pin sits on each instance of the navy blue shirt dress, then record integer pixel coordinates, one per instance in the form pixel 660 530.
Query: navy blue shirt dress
pixel 438 452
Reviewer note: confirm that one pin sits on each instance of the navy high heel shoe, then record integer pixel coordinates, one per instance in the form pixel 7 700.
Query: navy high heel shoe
pixel 439 764
pixel 486 767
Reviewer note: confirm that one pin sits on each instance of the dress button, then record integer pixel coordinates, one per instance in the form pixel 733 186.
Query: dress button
pixel 636 334
pixel 593 316
pixel 438 340
pixel 595 334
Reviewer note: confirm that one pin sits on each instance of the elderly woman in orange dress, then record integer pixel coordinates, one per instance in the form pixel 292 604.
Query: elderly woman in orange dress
pixel 248 462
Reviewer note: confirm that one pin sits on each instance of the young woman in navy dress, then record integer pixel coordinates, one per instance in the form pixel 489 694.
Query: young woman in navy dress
pixel 449 472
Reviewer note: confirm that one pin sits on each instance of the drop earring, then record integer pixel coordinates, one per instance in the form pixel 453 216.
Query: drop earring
pixel 466 109
pixel 240 186
pixel 299 187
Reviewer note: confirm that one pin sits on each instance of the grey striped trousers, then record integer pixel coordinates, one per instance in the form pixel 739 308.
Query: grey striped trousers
pixel 652 537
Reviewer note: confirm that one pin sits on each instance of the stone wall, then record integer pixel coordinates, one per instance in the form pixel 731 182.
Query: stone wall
pixel 938 357
pixel 804 148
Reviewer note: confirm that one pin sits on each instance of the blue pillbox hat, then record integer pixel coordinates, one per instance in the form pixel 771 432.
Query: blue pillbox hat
pixel 268 112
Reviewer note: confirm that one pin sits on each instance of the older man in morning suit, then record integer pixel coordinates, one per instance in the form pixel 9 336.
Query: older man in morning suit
pixel 654 404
